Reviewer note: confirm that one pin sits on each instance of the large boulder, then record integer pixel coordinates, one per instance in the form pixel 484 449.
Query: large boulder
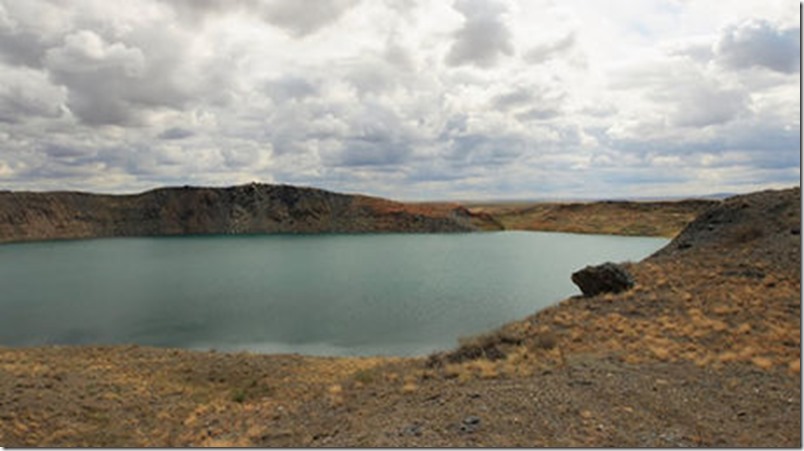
pixel 606 278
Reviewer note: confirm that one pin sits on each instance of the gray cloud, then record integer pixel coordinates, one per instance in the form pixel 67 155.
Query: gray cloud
pixel 120 82
pixel 175 133
pixel 486 151
pixel 297 18
pixel 538 114
pixel 86 52
pixel 372 77
pixel 28 93
pixel 376 138
pixel 703 105
pixel 301 18
pixel 399 57
pixel 760 143
pixel 759 43
pixel 530 103
pixel 197 11
pixel 291 88
pixel 94 70
pixel 376 150
pixel 21 48
pixel 394 108
pixel 546 51
pixel 28 29
pixel 484 38
pixel 515 98
pixel 683 94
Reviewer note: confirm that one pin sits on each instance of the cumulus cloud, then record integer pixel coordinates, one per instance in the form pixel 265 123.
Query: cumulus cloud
pixel 530 103
pixel 680 94
pixel 26 93
pixel 515 98
pixel 175 133
pixel 124 81
pixel 94 71
pixel 299 19
pixel 548 50
pixel 86 52
pixel 386 97
pixel 291 88
pixel 303 18
pixel 484 38
pixel 28 29
pixel 759 43
pixel 197 11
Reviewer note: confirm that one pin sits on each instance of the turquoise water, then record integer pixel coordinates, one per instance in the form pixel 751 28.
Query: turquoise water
pixel 392 294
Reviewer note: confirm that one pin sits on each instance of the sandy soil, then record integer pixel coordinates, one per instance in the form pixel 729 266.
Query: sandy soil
pixel 703 351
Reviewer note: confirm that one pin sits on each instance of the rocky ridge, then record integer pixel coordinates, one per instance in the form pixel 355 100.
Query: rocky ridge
pixel 245 209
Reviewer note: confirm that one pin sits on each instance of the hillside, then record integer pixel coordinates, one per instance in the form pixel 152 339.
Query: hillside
pixel 253 208
pixel 655 218
pixel 703 351
pixel 261 208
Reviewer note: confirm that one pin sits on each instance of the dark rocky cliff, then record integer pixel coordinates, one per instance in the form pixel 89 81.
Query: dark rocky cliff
pixel 252 208
pixel 762 227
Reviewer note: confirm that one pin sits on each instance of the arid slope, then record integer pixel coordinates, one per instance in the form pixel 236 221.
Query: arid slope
pixel 665 218
pixel 260 208
pixel 253 208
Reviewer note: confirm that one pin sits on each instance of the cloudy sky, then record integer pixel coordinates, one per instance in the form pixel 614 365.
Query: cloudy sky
pixel 409 99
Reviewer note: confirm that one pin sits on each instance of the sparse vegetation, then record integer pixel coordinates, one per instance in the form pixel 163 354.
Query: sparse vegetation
pixel 239 396
pixel 616 218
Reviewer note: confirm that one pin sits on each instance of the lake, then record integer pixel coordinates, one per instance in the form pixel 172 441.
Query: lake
pixel 390 294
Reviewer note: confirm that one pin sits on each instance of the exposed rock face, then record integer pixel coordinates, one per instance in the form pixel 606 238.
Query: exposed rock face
pixel 605 278
pixel 762 227
pixel 253 208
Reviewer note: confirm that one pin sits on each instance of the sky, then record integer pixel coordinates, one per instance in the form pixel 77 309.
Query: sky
pixel 407 99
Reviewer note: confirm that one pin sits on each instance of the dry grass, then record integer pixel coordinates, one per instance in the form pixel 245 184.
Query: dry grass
pixel 617 218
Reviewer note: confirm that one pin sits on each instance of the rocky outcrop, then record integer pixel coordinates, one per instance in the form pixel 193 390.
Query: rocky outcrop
pixel 605 278
pixel 246 209
pixel 763 227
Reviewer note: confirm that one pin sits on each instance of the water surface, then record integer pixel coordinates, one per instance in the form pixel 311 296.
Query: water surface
pixel 393 294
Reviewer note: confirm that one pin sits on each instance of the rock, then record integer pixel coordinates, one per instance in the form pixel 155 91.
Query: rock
pixel 746 221
pixel 470 424
pixel 605 278
pixel 413 430
pixel 471 420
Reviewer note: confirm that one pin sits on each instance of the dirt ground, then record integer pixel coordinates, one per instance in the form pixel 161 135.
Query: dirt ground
pixel 703 351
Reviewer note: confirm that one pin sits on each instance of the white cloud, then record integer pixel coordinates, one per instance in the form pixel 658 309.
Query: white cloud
pixel 26 93
pixel 758 43
pixel 303 18
pixel 486 98
pixel 484 38
pixel 86 52
pixel 544 51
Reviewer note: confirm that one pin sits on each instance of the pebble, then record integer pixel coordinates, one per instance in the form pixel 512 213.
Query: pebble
pixel 471 420
pixel 414 429
pixel 470 424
